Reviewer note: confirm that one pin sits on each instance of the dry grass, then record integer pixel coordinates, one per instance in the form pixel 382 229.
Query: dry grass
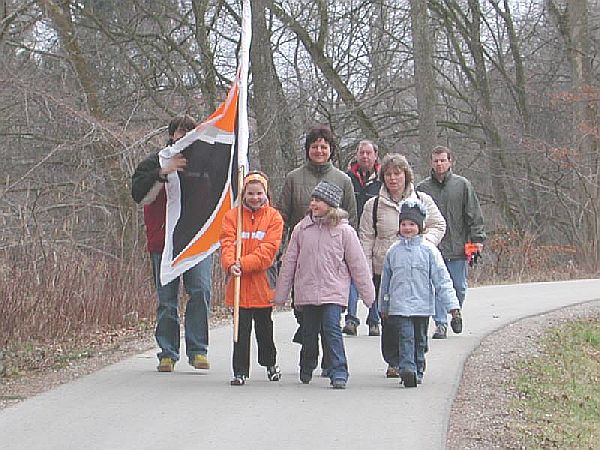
pixel 71 305
pixel 68 294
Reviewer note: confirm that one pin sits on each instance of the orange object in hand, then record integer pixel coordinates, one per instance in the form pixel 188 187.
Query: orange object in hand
pixel 472 253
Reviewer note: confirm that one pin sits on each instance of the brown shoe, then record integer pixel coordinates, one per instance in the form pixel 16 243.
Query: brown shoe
pixel 200 362
pixel 166 365
pixel 392 372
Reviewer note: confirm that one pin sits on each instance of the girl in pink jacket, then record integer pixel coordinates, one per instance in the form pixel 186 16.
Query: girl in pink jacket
pixel 323 255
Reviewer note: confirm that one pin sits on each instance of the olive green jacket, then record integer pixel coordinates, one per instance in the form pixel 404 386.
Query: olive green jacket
pixel 458 203
pixel 299 185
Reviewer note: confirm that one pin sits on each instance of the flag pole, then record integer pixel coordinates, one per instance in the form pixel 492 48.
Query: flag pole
pixel 238 255
pixel 242 141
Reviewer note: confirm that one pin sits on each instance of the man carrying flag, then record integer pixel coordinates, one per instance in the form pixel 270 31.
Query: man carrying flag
pixel 148 188
pixel 196 174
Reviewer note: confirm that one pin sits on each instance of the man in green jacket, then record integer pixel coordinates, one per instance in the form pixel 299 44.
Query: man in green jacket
pixel 455 197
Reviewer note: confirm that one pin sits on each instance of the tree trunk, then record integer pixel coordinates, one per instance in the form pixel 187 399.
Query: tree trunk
pixel 425 85
pixel 497 167
pixel 274 135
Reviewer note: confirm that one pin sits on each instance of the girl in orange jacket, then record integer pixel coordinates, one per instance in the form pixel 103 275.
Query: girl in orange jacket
pixel 262 228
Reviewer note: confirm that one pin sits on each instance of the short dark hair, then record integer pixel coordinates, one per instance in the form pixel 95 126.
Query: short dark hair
pixel 184 122
pixel 320 132
pixel 439 149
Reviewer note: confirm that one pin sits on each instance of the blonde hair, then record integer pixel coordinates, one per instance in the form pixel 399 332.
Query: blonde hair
pixel 333 216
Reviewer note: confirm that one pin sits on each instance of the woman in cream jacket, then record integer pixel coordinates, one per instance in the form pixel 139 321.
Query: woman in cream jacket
pixel 379 230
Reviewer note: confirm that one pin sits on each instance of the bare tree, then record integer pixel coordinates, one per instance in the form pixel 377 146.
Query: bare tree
pixel 425 86
pixel 572 23
pixel 274 135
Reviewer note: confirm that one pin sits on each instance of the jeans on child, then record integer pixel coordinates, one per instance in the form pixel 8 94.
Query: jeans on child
pixel 351 314
pixel 412 342
pixel 458 270
pixel 197 282
pixel 324 318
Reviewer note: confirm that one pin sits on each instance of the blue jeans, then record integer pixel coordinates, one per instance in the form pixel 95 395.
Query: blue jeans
pixel 372 318
pixel 412 342
pixel 326 319
pixel 458 270
pixel 197 282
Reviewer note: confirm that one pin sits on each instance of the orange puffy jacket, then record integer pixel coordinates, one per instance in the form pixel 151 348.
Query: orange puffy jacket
pixel 261 237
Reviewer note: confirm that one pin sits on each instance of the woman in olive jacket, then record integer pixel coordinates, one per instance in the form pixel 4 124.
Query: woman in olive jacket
pixel 299 184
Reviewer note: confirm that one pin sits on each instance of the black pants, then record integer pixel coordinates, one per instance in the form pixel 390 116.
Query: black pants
pixel 263 329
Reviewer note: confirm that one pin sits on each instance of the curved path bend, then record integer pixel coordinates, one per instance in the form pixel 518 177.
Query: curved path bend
pixel 131 406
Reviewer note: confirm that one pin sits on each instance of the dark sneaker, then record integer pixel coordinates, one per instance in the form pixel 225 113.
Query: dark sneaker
pixel 166 365
pixel 238 380
pixel 409 378
pixel 392 372
pixel 456 323
pixel 305 377
pixel 420 378
pixel 273 373
pixel 350 329
pixel 441 332
pixel 374 330
pixel 339 383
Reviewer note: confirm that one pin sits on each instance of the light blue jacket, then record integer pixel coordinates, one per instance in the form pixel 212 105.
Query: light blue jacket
pixel 413 271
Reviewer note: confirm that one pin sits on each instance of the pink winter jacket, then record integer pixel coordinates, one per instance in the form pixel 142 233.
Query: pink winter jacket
pixel 320 261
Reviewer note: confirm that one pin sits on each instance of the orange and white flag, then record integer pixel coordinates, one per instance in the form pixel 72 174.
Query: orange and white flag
pixel 199 196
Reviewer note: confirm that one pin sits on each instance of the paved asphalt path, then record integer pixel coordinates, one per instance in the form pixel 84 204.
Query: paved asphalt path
pixel 131 406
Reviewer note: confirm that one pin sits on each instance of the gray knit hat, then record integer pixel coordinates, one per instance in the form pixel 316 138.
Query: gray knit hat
pixel 413 210
pixel 328 192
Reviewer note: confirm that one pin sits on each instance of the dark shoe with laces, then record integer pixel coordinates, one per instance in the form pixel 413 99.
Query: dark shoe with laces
pixel 456 323
pixel 273 373
pixel 305 377
pixel 409 378
pixel 339 383
pixel 374 330
pixel 350 328
pixel 238 380
pixel 441 332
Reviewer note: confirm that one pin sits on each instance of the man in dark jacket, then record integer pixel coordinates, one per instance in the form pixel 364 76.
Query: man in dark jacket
pixel 148 189
pixel 364 174
pixel 455 197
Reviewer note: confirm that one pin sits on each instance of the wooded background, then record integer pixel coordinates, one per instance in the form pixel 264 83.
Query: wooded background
pixel 87 88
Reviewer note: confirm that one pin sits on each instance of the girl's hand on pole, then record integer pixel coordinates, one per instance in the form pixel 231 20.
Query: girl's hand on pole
pixel 235 270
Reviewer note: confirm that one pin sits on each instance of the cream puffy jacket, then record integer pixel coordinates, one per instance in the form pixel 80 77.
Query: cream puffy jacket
pixel 375 247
